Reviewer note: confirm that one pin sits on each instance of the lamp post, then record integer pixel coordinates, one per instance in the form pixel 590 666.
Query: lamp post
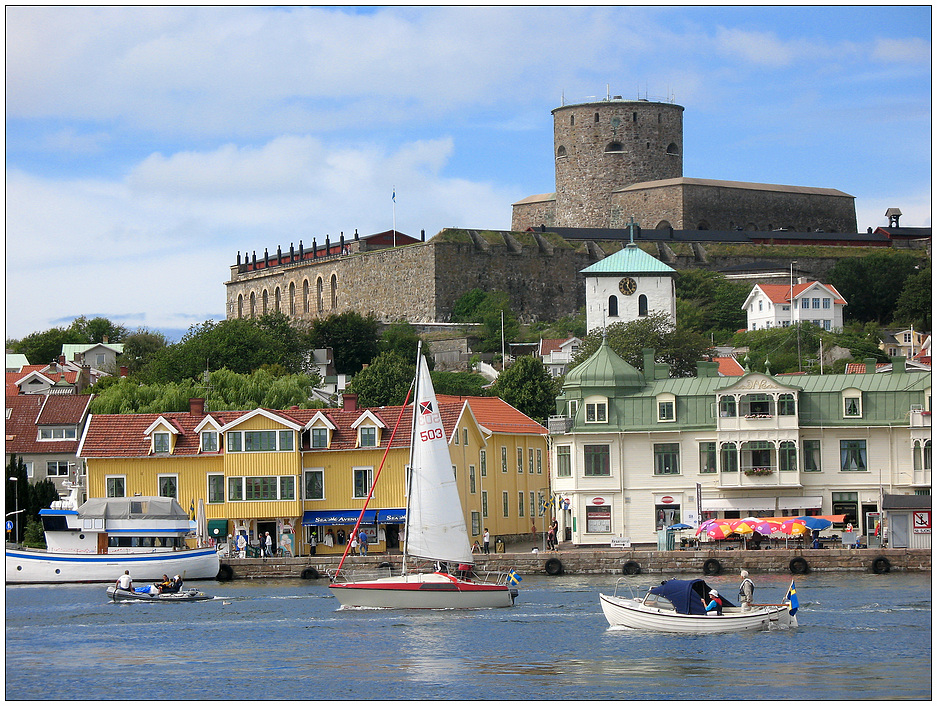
pixel 799 364
pixel 16 518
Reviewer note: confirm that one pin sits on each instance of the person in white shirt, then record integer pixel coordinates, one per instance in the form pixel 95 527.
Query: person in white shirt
pixel 125 583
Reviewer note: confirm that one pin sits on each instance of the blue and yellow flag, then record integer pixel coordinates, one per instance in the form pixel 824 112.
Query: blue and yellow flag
pixel 792 597
pixel 514 578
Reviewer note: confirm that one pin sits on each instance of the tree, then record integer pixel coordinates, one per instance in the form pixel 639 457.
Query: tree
pixel 401 337
pixel 43 347
pixel 914 304
pixel 679 348
pixel 459 383
pixel 709 303
pixel 17 496
pixel 871 284
pixel 139 347
pixel 352 338
pixel 527 386
pixel 384 382
pixel 465 308
pixel 96 329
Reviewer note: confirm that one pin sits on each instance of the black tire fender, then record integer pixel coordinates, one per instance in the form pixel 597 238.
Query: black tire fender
pixel 554 567
pixel 225 573
pixel 310 573
pixel 712 567
pixel 799 565
pixel 881 565
pixel 631 568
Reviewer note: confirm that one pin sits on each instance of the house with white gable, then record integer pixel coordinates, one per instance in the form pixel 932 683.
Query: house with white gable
pixel 779 305
pixel 557 352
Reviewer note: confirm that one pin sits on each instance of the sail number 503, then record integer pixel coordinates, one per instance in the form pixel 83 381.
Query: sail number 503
pixel 428 434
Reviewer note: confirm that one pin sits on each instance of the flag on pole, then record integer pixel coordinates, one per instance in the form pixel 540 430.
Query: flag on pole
pixel 393 196
pixel 514 578
pixel 792 597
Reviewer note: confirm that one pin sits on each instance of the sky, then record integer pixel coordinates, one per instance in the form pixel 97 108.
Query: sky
pixel 147 146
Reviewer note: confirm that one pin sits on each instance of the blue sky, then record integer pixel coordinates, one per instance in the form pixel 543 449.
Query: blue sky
pixel 146 146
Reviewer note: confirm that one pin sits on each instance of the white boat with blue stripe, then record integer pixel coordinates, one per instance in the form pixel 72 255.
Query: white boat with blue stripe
pixel 103 537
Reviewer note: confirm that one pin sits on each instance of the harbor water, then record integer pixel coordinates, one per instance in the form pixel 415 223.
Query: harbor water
pixel 860 637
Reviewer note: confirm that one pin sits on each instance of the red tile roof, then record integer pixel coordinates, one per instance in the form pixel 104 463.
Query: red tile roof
pixel 495 414
pixel 29 412
pixel 781 293
pixel 729 365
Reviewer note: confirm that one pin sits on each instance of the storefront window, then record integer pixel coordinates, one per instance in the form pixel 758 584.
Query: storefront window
pixel 666 515
pixel 598 519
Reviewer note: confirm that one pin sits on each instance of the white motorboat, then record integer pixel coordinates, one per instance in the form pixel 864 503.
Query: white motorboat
pixel 103 537
pixel 678 606
pixel 119 595
pixel 435 531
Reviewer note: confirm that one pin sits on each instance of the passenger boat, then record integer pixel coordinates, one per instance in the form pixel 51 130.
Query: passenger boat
pixel 678 606
pixel 435 531
pixel 122 595
pixel 103 537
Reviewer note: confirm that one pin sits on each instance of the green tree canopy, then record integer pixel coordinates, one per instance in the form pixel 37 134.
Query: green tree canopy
pixel 527 386
pixel 139 347
pixel 915 302
pixel 710 304
pixel 872 284
pixel 353 339
pixel 677 347
pixel 384 382
pixel 401 337
pixel 459 383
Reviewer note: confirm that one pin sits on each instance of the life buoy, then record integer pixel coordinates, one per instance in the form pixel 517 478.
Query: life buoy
pixel 225 573
pixel 712 567
pixel 309 573
pixel 799 565
pixel 554 567
pixel 631 568
pixel 880 565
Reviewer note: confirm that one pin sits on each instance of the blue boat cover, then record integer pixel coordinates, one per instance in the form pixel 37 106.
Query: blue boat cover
pixel 687 596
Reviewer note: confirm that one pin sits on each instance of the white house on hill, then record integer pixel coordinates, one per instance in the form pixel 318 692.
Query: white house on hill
pixel 769 306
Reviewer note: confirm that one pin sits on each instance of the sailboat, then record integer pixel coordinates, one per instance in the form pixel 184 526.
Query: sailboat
pixel 436 543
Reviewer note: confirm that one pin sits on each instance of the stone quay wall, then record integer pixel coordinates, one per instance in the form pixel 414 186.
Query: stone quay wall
pixel 612 561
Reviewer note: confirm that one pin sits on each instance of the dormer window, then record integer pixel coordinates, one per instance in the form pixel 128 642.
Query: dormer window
pixel 852 403
pixel 597 412
pixel 209 441
pixel 666 408
pixel 161 442
pixel 367 437
pixel 319 438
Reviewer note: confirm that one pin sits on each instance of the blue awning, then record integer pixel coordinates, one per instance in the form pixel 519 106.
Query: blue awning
pixel 336 517
pixel 391 517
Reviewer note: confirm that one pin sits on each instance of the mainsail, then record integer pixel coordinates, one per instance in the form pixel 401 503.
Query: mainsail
pixel 435 523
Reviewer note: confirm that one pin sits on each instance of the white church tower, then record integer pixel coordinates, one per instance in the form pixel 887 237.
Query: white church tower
pixel 626 286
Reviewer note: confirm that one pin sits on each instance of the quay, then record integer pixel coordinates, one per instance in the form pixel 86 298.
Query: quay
pixel 611 561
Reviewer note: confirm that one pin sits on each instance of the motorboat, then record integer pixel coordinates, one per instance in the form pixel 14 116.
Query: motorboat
pixel 436 536
pixel 103 537
pixel 143 594
pixel 678 606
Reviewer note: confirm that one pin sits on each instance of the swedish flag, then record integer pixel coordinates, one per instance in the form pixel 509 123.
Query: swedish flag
pixel 514 578
pixel 792 597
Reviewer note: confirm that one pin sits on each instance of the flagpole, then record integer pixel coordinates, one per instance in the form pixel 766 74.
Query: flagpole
pixel 394 199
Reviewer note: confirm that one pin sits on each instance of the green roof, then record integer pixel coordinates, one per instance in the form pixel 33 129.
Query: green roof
pixel 604 368
pixel 629 260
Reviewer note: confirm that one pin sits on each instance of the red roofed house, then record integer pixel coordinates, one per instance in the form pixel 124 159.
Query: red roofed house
pixel 44 431
pixel 769 306
pixel 304 474
pixel 557 352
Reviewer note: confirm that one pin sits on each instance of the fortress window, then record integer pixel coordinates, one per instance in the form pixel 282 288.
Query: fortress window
pixel 672 148
pixel 613 306
pixel 240 306
pixel 614 147
pixel 658 119
pixel 642 305
pixel 319 294
pixel 292 299
pixel 561 151
pixel 634 117
pixel 276 300
pixel 334 292
pixel 265 297
pixel 305 296
pixel 595 118
pixel 572 119
pixel 253 305
pixel 703 225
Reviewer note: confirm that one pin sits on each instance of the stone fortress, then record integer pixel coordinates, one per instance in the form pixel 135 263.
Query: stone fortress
pixel 615 160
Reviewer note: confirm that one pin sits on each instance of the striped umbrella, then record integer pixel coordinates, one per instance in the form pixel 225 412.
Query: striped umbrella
pixel 793 527
pixel 767 526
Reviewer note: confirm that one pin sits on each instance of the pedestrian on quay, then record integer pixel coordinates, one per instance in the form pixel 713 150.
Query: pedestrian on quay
pixel 487 541
pixel 363 543
pixel 268 544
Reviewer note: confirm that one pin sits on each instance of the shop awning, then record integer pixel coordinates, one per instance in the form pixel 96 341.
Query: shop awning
pixel 741 504
pixel 802 503
pixel 218 529
pixel 337 517
pixel 391 517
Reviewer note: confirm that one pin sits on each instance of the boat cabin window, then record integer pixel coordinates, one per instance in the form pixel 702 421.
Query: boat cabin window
pixel 158 542
pixel 54 523
pixel 658 602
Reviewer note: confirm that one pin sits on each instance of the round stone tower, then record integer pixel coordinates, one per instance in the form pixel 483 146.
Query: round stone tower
pixel 607 145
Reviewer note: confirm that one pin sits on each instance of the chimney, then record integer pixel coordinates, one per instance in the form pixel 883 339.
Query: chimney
pixel 898 364
pixel 123 371
pixel 197 406
pixel 869 364
pixel 104 340
pixel 349 401
pixel 61 360
pixel 649 366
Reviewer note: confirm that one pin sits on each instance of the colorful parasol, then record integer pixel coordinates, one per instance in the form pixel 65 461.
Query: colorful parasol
pixel 793 527
pixel 815 523
pixel 767 526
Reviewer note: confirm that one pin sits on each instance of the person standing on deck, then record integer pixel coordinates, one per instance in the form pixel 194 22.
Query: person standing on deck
pixel 746 591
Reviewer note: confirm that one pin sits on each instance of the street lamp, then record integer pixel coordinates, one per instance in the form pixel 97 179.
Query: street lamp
pixel 16 517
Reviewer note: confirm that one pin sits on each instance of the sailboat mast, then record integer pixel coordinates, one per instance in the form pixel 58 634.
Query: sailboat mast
pixel 416 397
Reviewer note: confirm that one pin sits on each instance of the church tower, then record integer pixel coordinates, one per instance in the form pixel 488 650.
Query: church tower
pixel 607 145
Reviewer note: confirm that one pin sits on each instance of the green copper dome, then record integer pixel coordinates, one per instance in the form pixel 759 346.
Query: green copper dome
pixel 604 369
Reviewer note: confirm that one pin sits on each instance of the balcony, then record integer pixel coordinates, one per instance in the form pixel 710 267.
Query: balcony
pixel 559 424
pixel 759 477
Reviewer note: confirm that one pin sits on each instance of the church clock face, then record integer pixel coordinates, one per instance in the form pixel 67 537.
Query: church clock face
pixel 627 285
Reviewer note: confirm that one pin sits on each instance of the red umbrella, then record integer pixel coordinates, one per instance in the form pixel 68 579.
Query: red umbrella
pixel 793 526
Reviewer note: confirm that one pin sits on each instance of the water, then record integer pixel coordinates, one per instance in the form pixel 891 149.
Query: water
pixel 860 637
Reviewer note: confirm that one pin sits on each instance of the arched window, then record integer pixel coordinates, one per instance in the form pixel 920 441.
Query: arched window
pixel 561 151
pixel 614 147
pixel 253 305
pixel 292 303
pixel 240 306
pixel 672 148
pixel 333 286
pixel 612 306
pixel 276 300
pixel 663 225
pixel 264 298
pixel 305 296
pixel 572 119
pixel 702 225
pixel 642 305
pixel 319 294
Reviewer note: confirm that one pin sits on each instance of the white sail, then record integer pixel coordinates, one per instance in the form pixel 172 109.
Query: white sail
pixel 435 524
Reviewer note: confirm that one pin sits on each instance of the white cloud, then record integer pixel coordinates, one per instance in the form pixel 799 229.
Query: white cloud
pixel 913 50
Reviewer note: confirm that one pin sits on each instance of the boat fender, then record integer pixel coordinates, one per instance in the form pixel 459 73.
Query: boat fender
pixel 554 567
pixel 225 573
pixel 310 573
pixel 881 565
pixel 712 567
pixel 799 565
pixel 385 565
pixel 631 568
